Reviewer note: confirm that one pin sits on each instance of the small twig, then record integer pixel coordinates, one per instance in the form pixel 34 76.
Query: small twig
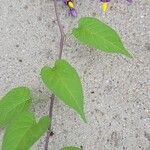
pixel 61 44
pixel 62 37
pixel 50 116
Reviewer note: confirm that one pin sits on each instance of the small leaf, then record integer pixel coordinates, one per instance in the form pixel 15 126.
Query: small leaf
pixel 70 148
pixel 96 34
pixel 14 102
pixel 23 132
pixel 64 82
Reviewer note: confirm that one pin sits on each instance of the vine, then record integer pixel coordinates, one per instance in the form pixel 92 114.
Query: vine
pixel 49 132
pixel 21 130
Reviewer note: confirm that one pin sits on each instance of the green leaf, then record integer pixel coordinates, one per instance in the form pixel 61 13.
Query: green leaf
pixel 96 34
pixel 23 131
pixel 70 148
pixel 14 102
pixel 64 82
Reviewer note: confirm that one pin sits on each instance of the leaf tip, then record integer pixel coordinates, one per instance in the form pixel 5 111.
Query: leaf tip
pixel 128 54
pixel 83 117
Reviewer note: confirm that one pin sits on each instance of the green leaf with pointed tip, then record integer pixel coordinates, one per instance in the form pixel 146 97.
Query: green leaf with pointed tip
pixel 23 131
pixel 14 102
pixel 96 34
pixel 64 82
pixel 70 148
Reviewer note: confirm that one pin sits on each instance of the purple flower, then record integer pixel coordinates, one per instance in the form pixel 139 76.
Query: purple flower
pixel 65 2
pixel 73 12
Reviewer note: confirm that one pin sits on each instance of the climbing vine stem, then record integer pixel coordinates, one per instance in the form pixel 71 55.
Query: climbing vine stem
pixel 61 44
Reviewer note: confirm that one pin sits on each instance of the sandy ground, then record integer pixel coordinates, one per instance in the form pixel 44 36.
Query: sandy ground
pixel 117 90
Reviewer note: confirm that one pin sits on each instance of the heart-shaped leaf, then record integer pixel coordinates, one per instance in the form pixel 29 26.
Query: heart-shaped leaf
pixel 23 131
pixel 96 34
pixel 64 82
pixel 70 148
pixel 14 102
